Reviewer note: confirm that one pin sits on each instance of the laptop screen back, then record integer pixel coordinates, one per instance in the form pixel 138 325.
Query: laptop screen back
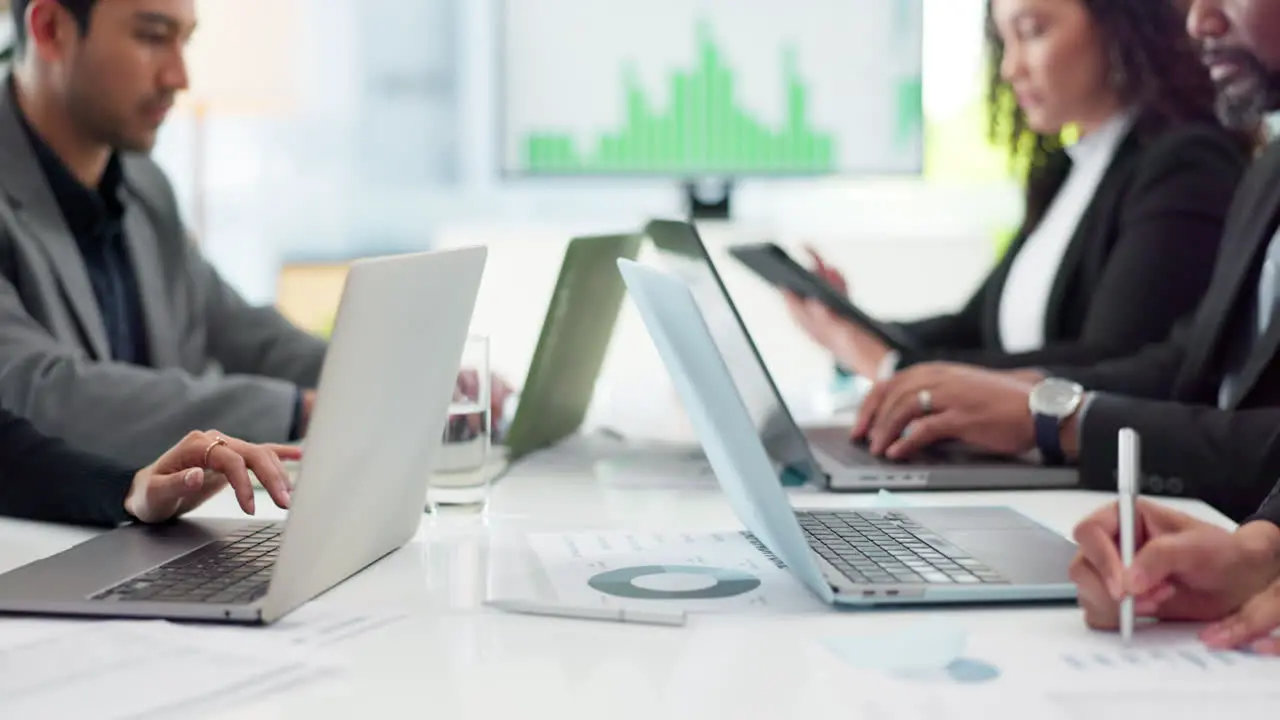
pixel 571 348
pixel 742 467
pixel 681 252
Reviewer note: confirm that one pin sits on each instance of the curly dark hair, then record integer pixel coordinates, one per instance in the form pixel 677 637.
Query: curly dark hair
pixel 1157 67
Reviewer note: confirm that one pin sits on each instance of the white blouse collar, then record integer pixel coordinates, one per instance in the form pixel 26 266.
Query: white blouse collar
pixel 1102 142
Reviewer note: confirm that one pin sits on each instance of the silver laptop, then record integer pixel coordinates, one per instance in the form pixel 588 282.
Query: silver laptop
pixel 826 455
pixel 855 557
pixel 381 406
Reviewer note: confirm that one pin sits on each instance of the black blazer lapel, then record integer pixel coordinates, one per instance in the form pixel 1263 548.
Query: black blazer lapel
pixel 1104 197
pixel 1235 279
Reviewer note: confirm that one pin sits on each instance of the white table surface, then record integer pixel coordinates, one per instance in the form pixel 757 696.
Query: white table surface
pixel 454 658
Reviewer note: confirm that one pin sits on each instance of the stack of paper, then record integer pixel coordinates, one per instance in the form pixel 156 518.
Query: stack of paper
pixel 128 669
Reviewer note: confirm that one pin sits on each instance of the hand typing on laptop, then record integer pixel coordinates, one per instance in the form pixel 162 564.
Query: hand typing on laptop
pixel 1184 570
pixel 201 466
pixel 254 571
pixel 932 402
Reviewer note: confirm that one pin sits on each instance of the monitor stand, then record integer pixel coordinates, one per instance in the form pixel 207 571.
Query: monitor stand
pixel 708 200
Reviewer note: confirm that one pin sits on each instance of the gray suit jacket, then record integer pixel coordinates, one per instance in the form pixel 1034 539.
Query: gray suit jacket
pixel 218 363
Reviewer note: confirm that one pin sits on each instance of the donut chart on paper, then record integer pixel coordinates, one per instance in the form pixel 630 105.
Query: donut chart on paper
pixel 621 582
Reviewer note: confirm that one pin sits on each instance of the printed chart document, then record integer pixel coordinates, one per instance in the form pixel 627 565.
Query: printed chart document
pixel 109 670
pixel 939 671
pixel 694 572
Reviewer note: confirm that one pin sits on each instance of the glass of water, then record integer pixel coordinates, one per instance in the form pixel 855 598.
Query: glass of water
pixel 460 478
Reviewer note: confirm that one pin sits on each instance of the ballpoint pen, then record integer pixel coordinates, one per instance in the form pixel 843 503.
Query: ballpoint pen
pixel 1127 485
pixel 646 617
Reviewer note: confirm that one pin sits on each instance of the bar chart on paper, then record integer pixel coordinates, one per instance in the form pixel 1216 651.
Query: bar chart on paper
pixel 711 87
pixel 1166 673
pixel 1179 704
pixel 1186 657
pixel 1169 680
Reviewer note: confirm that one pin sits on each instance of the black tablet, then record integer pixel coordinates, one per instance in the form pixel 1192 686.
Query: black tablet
pixel 776 267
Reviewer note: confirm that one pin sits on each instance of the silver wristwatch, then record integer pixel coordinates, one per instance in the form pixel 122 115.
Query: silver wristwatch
pixel 1052 401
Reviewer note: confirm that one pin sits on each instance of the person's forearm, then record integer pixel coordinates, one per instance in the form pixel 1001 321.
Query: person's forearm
pixel 1148 374
pixel 1031 376
pixel 43 478
pixel 1227 459
pixel 133 415
pixel 958 330
pixel 1064 354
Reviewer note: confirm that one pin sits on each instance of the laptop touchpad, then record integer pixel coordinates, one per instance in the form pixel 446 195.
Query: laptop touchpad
pixel 1021 556
pixel 970 518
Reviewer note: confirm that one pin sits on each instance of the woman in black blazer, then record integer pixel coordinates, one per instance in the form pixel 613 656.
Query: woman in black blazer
pixel 1121 230
pixel 45 479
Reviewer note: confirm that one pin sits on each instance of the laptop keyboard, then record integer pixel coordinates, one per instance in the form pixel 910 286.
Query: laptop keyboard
pixel 845 452
pixel 836 444
pixel 888 548
pixel 234 570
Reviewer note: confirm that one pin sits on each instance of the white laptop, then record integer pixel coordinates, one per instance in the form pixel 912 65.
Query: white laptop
pixel 383 398
pixel 927 555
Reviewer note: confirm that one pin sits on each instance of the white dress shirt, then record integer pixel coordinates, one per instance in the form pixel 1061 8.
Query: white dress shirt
pixel 1026 290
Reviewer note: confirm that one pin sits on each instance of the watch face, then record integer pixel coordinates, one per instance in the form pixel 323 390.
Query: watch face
pixel 1055 397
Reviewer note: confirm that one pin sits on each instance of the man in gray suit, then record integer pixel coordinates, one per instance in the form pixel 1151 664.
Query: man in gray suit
pixel 115 333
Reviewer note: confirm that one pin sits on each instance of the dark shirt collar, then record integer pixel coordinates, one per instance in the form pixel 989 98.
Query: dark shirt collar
pixel 83 208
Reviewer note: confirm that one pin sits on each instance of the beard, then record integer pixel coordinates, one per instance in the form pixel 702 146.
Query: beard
pixel 1247 95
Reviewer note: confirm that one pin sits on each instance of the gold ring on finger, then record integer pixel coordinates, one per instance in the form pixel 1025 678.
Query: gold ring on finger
pixel 216 442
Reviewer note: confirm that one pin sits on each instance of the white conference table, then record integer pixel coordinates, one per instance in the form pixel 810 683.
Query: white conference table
pixel 452 657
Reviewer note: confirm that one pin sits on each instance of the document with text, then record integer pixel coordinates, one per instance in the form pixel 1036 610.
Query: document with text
pixel 946 673
pixel 126 669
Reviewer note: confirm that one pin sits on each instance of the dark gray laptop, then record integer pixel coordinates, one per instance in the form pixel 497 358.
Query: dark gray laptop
pixel 825 455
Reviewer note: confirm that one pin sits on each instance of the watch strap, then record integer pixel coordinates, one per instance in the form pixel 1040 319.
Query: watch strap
pixel 1049 439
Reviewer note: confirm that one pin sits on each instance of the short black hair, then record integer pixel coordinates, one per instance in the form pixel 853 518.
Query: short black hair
pixel 79 9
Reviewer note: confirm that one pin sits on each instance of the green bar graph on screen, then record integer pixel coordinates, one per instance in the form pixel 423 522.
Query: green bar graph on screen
pixel 702 128
pixel 682 98
pixel 910 110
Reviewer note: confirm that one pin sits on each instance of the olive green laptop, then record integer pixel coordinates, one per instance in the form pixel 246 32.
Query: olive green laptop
pixel 571 348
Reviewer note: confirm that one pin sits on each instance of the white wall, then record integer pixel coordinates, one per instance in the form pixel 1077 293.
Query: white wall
pixel 331 180
pixel 392 140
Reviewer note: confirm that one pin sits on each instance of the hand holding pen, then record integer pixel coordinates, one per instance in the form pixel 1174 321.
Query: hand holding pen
pixel 1183 569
